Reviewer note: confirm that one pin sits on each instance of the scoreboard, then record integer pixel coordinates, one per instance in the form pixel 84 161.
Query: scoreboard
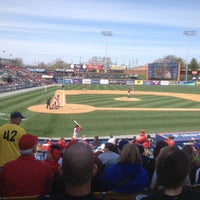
pixel 163 71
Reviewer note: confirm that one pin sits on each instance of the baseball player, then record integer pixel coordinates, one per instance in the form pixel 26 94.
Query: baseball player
pixel 77 130
pixel 129 92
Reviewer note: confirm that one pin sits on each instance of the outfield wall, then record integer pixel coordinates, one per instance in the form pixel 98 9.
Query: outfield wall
pixel 8 88
pixel 125 82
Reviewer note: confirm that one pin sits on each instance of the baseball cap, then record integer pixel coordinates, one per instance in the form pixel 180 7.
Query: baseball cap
pixel 112 140
pixel 61 144
pixel 16 114
pixel 27 141
pixel 122 142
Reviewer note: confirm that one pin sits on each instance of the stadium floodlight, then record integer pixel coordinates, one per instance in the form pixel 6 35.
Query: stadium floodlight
pixel 106 34
pixel 188 34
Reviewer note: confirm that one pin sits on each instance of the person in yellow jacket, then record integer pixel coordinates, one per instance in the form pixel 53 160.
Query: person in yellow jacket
pixel 10 134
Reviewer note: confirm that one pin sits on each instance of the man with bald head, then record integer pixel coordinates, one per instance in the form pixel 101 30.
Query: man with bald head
pixel 78 168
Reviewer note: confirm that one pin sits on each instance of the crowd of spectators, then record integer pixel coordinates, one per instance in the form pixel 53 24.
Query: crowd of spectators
pixel 79 168
pixel 14 75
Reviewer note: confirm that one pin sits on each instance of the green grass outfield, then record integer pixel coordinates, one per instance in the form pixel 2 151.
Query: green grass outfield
pixel 104 123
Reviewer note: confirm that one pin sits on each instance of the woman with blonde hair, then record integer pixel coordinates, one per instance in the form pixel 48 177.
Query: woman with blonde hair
pixel 127 176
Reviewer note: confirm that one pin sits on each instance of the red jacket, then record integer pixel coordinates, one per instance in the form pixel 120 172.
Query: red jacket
pixel 25 176
pixel 170 142
pixel 141 138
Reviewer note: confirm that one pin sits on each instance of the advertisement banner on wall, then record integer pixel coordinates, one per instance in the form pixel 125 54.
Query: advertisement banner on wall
pixel 120 82
pixel 67 81
pixel 129 82
pixel 173 82
pixel 104 81
pixel 147 83
pixel 118 67
pixel 59 81
pixel 77 81
pixel 95 81
pixel 164 82
pixel 198 83
pixel 186 83
pixel 155 82
pixel 138 82
pixel 86 81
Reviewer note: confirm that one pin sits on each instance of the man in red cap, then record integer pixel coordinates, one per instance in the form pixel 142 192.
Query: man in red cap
pixel 26 176
pixel 52 159
pixel 170 141
pixel 141 138
pixel 10 134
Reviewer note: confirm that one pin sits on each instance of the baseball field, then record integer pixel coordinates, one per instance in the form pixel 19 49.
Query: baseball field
pixel 105 109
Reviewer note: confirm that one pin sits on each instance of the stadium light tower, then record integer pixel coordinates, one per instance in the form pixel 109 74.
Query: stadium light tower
pixel 106 34
pixel 188 34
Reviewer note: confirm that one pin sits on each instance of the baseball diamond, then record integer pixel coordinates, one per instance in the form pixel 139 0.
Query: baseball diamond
pixel 82 108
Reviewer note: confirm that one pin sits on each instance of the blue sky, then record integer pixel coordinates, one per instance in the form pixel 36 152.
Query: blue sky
pixel 143 31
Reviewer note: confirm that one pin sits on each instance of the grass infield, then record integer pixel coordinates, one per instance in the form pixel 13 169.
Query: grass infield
pixel 102 122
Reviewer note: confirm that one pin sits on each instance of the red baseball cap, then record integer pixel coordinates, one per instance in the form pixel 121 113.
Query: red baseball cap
pixel 27 141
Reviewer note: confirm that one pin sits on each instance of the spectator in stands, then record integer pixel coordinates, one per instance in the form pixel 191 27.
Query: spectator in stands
pixel 9 136
pixel 189 151
pixel 194 175
pixel 84 140
pixel 170 141
pixel 151 166
pixel 96 184
pixel 141 138
pixel 119 147
pixel 47 144
pixel 71 142
pixel 112 140
pixel 121 144
pixel 108 153
pixel 148 143
pixel 78 169
pixel 96 142
pixel 146 160
pixel 52 158
pixel 128 176
pixel 62 143
pixel 26 176
pixel 172 166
